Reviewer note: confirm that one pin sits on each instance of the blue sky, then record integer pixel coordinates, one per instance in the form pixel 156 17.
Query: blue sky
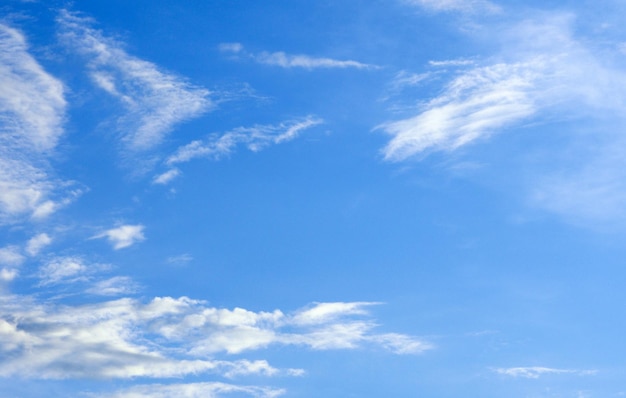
pixel 391 198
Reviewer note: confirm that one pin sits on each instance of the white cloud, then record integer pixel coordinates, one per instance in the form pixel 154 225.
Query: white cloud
pixel 193 390
pixel 11 255
pixel 231 47
pixel 293 61
pixel 10 259
pixel 167 177
pixel 123 236
pixel 32 111
pixel 326 312
pixel 115 286
pixel 37 243
pixel 62 270
pixel 155 100
pixel 534 372
pixel 547 76
pixel 254 138
pixel 465 6
pixel 165 337
pixel 474 105
pixel 451 62
pixel 8 274
pixel 180 259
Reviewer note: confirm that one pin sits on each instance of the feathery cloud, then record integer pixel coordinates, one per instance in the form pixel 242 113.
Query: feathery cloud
pixel 488 99
pixel 543 74
pixel 155 101
pixel 254 138
pixel 115 286
pixel 284 60
pixel 62 269
pixel 32 110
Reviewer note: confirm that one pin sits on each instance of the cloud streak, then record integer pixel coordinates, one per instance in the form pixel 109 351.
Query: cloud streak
pixel 534 372
pixel 254 138
pixel 284 60
pixel 155 101
pixel 463 6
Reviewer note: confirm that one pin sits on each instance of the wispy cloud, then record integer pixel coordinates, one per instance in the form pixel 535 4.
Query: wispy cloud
pixel 193 390
pixel 180 259
pixel 123 236
pixel 11 259
pixel 543 74
pixel 254 138
pixel 284 60
pixel 166 177
pixel 62 269
pixel 534 372
pixel 548 76
pixel 115 286
pixel 32 111
pixel 155 100
pixel 464 6
pixel 126 338
pixel 473 106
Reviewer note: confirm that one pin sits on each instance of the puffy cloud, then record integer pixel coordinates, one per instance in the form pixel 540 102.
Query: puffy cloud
pixel 37 243
pixel 155 100
pixel 123 236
